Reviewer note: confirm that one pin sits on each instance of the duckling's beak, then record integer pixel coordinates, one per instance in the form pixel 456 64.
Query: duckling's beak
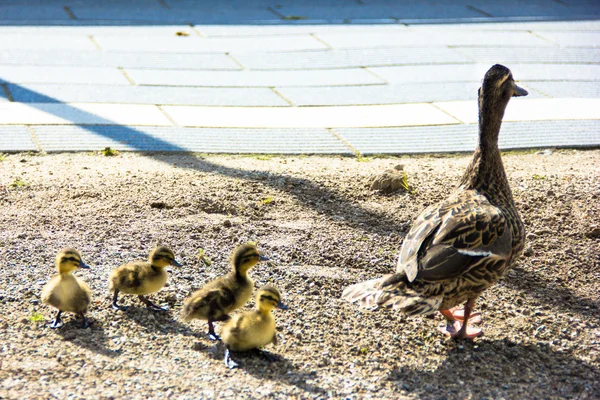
pixel 519 91
pixel 83 265
pixel 263 258
pixel 281 306
pixel 175 263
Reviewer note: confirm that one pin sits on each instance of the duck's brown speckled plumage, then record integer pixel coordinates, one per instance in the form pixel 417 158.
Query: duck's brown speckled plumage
pixel 459 247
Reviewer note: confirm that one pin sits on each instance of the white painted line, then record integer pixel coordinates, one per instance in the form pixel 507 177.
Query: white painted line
pixel 309 117
pixel 81 113
pixel 521 109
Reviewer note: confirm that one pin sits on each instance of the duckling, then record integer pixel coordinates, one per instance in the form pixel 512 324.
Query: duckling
pixel 458 248
pixel 141 277
pixel 65 291
pixel 225 294
pixel 253 329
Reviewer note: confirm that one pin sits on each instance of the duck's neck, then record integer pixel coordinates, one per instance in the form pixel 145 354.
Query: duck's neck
pixel 486 171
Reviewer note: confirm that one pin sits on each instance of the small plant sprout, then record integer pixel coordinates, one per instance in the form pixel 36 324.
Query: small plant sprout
pixel 264 157
pixel 17 183
pixel 267 200
pixel 539 177
pixel 2 156
pixel 204 258
pixel 36 317
pixel 108 152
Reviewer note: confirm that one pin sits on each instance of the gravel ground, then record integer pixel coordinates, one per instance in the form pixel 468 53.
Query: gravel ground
pixel 323 228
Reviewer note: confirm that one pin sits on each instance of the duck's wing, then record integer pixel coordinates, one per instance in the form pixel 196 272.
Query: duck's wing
pixel 449 240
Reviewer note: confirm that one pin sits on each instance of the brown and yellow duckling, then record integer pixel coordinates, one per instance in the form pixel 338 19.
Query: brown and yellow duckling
pixel 254 329
pixel 218 298
pixel 459 247
pixel 142 278
pixel 65 291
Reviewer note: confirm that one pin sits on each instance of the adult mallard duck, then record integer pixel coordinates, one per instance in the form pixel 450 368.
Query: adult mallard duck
pixel 461 246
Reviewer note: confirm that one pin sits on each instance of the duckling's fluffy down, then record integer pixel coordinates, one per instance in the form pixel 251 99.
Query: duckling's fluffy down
pixel 67 293
pixel 137 278
pixel 249 330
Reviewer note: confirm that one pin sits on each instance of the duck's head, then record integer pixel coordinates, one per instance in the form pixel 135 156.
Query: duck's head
pixel 68 260
pixel 162 257
pixel 245 257
pixel 268 298
pixel 499 86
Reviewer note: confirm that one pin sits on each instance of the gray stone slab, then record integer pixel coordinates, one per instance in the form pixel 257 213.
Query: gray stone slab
pixel 42 42
pixel 38 74
pixel 475 72
pixel 573 39
pixel 387 10
pixel 463 138
pixel 566 89
pixel 85 28
pixel 37 12
pixel 99 58
pixel 414 38
pixel 204 140
pixel 347 58
pixel 519 24
pixel 380 94
pixel 162 95
pixel 330 77
pixel 531 55
pixel 536 9
pixel 15 138
pixel 295 28
pixel 203 45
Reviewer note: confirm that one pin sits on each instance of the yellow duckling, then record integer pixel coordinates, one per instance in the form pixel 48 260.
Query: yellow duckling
pixel 223 295
pixel 64 291
pixel 253 329
pixel 141 277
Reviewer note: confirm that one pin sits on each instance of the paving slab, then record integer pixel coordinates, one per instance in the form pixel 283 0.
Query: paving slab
pixel 309 117
pixel 15 138
pixel 566 89
pixel 287 28
pixel 529 109
pixel 463 138
pixel 45 74
pixel 330 77
pixel 522 55
pixel 191 44
pixel 350 58
pixel 203 140
pixel 572 39
pixel 58 113
pixel 475 72
pixel 517 25
pixel 145 95
pixel 97 58
pixel 450 38
pixel 45 42
pixel 381 94
pixel 537 9
pixel 85 28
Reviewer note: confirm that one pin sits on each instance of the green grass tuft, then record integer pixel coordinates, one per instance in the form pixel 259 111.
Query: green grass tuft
pixel 108 152
pixel 267 200
pixel 17 183
pixel 36 317
pixel 204 258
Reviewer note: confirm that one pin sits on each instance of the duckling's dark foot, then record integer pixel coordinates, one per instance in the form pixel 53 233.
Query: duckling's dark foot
pixel 151 305
pixel 86 323
pixel 211 332
pixel 117 307
pixel 229 363
pixel 56 323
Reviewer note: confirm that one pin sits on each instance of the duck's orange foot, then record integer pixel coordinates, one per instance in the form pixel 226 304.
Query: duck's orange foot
pixel 457 331
pixel 459 315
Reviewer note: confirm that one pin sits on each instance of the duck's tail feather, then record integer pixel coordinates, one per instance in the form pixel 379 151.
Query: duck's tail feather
pixel 391 291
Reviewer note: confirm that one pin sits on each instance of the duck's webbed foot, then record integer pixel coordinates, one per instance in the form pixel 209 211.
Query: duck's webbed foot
pixel 57 322
pixel 115 305
pixel 211 332
pixel 458 322
pixel 229 363
pixel 151 305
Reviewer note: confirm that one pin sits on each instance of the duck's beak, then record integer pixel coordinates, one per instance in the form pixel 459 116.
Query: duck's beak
pixel 175 263
pixel 281 306
pixel 263 258
pixel 519 91
pixel 83 265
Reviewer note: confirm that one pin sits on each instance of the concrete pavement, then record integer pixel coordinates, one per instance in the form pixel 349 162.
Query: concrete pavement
pixel 269 76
